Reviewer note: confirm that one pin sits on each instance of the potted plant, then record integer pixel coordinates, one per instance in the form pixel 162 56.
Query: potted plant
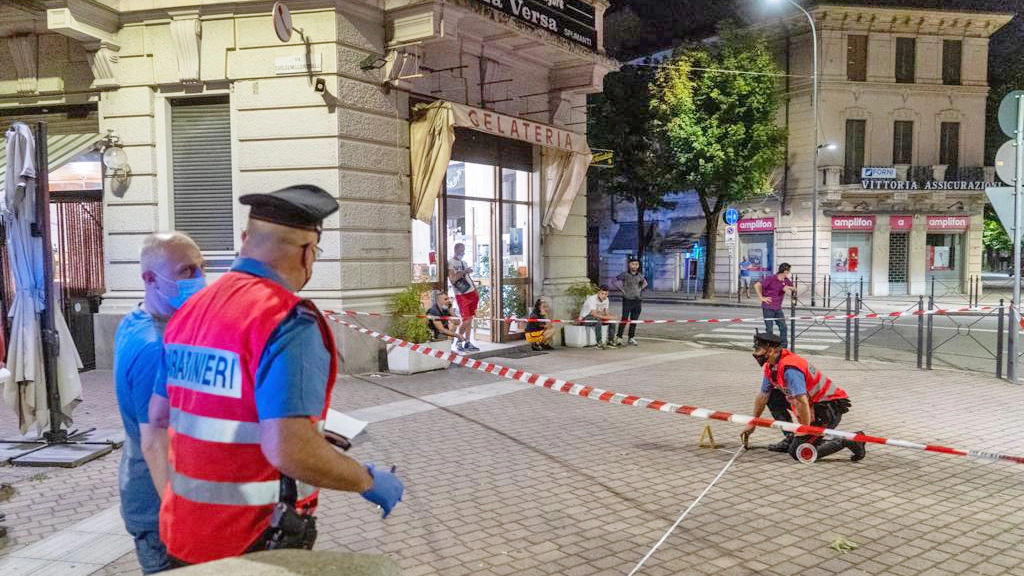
pixel 577 335
pixel 404 307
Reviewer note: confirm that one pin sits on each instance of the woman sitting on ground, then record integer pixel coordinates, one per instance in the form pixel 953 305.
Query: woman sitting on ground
pixel 540 334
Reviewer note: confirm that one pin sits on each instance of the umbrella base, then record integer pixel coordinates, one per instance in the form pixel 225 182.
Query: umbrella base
pixel 81 447
pixel 62 455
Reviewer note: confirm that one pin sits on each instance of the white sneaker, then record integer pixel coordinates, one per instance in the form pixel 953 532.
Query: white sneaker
pixel 633 342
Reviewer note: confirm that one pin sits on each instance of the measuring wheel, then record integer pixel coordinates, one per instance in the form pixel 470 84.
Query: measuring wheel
pixel 806 453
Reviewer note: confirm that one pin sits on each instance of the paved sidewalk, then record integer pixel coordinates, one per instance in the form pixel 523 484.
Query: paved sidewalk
pixel 507 479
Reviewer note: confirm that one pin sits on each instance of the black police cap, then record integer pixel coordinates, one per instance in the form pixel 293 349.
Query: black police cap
pixel 302 206
pixel 762 339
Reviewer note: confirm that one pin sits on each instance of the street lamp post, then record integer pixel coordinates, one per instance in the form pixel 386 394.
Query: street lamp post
pixel 816 149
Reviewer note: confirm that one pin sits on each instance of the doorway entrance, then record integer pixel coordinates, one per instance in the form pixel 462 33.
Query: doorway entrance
pixel 899 262
pixel 487 209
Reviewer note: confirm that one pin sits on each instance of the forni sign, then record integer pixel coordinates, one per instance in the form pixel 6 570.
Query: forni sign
pixel 571 19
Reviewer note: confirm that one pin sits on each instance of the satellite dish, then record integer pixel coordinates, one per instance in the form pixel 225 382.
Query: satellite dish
pixel 282 21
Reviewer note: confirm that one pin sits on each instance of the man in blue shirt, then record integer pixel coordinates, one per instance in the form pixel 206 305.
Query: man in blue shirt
pixel 172 269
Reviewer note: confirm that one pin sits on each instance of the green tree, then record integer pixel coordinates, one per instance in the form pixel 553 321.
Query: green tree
pixel 644 167
pixel 722 126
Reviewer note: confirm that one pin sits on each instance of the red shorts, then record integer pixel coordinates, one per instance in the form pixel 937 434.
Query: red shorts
pixel 468 303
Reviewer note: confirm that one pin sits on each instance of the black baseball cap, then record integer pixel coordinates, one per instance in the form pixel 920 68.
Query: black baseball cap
pixel 301 206
pixel 763 339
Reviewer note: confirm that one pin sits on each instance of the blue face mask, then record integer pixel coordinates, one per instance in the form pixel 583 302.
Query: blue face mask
pixel 186 289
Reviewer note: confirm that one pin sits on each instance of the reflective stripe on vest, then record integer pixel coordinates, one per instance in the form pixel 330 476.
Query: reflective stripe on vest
pixel 214 429
pixel 233 493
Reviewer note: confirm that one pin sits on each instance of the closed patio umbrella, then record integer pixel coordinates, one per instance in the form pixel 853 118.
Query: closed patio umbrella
pixel 25 390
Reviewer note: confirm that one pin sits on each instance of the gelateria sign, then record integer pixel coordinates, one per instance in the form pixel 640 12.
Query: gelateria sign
pixel 573 20
pixel 519 129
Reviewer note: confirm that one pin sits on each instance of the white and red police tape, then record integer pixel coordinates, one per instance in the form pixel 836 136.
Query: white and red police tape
pixel 611 397
pixel 821 318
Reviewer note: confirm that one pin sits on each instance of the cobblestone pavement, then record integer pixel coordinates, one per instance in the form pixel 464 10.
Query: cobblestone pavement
pixel 536 482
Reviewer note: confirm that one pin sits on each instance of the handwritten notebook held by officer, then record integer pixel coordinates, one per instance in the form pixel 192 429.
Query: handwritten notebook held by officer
pixel 250 368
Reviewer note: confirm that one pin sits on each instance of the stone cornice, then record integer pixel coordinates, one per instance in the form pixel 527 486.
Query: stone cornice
pixel 913 21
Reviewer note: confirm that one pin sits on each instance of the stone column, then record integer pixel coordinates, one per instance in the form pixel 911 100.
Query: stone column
pixel 880 257
pixel 918 258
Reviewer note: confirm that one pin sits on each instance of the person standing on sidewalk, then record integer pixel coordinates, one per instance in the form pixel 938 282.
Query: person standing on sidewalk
pixel 790 382
pixel 466 296
pixel 250 369
pixel 632 284
pixel 772 290
pixel 594 312
pixel 172 271
pixel 745 277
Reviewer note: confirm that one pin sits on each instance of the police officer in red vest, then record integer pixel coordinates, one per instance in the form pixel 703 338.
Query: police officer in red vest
pixel 790 382
pixel 250 368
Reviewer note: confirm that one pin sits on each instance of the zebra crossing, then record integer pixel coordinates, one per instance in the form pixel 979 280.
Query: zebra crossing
pixel 809 337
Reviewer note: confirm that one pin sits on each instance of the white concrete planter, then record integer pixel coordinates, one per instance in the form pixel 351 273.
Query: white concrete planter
pixel 405 361
pixel 583 336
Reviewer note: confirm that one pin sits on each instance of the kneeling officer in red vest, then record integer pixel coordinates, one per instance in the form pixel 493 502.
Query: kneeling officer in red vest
pixel 791 382
pixel 250 368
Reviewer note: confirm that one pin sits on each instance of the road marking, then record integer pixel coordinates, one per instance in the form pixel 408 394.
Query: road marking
pixel 746 344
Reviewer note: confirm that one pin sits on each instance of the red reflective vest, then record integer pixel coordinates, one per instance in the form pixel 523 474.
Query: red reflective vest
pixel 222 490
pixel 819 387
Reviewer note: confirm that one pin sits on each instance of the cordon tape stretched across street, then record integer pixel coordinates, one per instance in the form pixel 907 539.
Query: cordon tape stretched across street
pixel 815 318
pixel 583 391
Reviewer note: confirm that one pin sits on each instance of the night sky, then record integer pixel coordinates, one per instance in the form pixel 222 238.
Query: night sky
pixel 658 24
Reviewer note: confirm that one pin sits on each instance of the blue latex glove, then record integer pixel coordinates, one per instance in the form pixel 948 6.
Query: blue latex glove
pixel 386 491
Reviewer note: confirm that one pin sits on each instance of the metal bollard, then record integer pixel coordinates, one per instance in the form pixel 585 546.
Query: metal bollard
pixel 920 332
pixel 931 319
pixel 856 331
pixel 999 341
pixel 849 310
pixel 792 321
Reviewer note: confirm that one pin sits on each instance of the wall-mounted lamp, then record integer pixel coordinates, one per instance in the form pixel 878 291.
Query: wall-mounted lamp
pixel 115 158
pixel 959 205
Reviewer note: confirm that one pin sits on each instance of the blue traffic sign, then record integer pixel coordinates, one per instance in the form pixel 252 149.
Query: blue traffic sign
pixel 732 216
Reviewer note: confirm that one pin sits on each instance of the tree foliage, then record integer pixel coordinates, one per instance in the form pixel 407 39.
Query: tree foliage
pixel 721 126
pixel 644 168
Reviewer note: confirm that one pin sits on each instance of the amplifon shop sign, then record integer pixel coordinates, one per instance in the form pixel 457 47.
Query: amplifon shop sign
pixel 948 223
pixel 854 223
pixel 756 225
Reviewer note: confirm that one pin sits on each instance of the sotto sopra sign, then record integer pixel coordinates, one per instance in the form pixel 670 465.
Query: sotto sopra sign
pixel 571 19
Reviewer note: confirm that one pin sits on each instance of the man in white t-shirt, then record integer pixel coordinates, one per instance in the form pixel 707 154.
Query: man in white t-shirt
pixel 595 312
pixel 466 296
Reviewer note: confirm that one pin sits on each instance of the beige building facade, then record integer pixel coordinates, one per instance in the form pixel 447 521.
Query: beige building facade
pixel 900 156
pixel 209 104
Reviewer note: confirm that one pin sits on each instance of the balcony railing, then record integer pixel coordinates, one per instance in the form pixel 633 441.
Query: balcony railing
pixel 922 175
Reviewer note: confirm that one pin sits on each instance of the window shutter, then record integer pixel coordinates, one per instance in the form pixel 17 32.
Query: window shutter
pixel 857 58
pixel 952 55
pixel 906 56
pixel 201 168
pixel 949 147
pixel 902 142
pixel 855 132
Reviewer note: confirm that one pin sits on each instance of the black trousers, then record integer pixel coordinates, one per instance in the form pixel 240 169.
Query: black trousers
pixel 258 546
pixel 826 414
pixel 630 311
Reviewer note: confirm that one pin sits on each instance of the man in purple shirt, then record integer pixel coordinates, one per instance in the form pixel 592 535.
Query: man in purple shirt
pixel 772 290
